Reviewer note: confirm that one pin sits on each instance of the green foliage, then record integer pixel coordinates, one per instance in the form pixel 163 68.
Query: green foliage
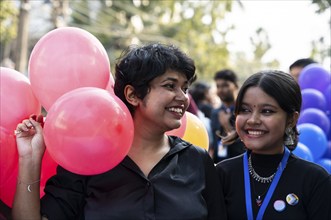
pixel 322 5
pixel 8 21
pixel 191 25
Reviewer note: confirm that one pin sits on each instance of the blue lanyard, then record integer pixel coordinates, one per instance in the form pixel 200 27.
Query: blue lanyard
pixel 271 189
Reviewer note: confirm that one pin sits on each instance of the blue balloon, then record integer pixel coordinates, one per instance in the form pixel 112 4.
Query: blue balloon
pixel 314 138
pixel 325 163
pixel 327 153
pixel 312 98
pixel 303 152
pixel 316 117
pixel 314 76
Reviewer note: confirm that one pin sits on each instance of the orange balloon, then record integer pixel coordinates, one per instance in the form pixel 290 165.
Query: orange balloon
pixel 196 132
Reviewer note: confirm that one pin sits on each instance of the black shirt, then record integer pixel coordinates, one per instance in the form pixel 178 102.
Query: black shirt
pixel 183 185
pixel 308 181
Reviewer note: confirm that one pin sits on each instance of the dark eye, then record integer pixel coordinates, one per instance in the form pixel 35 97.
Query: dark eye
pixel 267 111
pixel 185 89
pixel 243 109
pixel 169 86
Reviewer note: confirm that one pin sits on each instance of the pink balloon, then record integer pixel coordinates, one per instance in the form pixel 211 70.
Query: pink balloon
pixel 17 99
pixel 65 59
pixel 8 166
pixel 179 132
pixel 110 85
pixel 88 131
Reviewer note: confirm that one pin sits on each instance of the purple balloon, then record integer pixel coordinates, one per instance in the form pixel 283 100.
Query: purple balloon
pixel 327 95
pixel 314 76
pixel 316 117
pixel 312 98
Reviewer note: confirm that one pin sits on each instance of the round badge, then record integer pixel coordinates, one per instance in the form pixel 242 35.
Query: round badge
pixel 292 199
pixel 279 205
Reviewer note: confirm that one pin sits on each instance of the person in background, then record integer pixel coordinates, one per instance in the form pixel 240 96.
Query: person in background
pixel 298 65
pixel 222 118
pixel 200 92
pixel 162 177
pixel 268 181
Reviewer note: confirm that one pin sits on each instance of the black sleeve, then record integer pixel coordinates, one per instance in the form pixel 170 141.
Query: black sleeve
pixel 319 205
pixel 64 196
pixel 212 193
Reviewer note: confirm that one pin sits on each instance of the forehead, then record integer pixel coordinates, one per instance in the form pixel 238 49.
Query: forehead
pixel 172 76
pixel 256 96
pixel 223 82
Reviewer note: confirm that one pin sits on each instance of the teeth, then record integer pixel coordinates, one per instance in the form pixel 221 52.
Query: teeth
pixel 177 110
pixel 255 132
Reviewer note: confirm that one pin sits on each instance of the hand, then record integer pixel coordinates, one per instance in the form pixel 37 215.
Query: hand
pixel 30 139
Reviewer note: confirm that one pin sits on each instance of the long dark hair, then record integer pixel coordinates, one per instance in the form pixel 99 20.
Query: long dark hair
pixel 279 85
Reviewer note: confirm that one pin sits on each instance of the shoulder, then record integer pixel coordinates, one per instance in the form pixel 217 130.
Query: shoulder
pixel 307 167
pixel 231 161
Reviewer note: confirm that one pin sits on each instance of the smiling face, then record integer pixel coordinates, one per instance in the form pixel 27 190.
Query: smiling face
pixel 261 122
pixel 165 103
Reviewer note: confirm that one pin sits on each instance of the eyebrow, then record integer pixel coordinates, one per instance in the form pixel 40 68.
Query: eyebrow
pixel 173 79
pixel 263 105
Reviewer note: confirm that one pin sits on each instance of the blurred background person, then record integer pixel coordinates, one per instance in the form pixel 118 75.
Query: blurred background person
pixel 222 118
pixel 298 65
pixel 200 93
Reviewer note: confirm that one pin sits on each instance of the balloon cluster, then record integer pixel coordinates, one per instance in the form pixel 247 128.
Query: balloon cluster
pixel 87 130
pixel 314 123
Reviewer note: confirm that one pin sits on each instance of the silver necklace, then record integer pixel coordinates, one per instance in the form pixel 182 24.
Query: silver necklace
pixel 256 176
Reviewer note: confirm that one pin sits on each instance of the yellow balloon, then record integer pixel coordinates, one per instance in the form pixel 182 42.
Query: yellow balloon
pixel 196 132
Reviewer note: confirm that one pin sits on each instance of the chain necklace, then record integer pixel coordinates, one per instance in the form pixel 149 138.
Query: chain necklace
pixel 256 176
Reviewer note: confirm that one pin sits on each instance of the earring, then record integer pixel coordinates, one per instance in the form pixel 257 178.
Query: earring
pixel 289 137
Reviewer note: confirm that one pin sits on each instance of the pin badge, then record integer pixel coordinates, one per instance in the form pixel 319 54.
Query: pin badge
pixel 279 205
pixel 292 199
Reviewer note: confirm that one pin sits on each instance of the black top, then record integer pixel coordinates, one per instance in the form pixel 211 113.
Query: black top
pixel 183 185
pixel 308 181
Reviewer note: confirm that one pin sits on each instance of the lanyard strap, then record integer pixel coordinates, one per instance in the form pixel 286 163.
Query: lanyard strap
pixel 249 210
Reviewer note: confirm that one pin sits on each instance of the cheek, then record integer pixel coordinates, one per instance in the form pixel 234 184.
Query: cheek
pixel 239 122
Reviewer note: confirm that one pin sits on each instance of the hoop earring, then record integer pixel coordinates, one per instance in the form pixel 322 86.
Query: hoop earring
pixel 289 136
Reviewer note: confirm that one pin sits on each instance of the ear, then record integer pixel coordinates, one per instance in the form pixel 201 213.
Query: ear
pixel 130 95
pixel 293 120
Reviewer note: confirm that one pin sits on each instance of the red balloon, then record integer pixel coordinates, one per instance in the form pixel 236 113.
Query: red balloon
pixel 88 131
pixel 179 132
pixel 17 99
pixel 8 166
pixel 65 59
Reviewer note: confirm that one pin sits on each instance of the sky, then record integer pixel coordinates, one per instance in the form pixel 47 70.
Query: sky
pixel 290 24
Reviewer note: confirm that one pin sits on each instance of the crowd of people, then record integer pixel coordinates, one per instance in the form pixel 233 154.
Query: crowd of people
pixel 249 172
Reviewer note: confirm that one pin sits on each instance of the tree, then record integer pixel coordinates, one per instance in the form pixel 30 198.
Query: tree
pixel 191 25
pixel 8 27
